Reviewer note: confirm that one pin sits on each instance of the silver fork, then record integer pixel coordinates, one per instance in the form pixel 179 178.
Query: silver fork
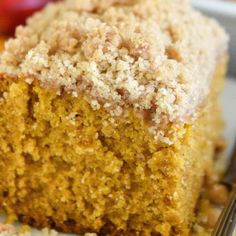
pixel 226 225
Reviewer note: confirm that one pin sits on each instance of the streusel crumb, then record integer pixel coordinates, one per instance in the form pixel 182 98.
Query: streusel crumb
pixel 10 230
pixel 157 58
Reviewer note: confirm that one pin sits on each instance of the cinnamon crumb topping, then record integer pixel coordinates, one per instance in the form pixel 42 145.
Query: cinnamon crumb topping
pixel 155 56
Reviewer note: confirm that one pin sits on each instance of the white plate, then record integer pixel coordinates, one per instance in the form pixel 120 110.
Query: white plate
pixel 225 12
pixel 218 7
pixel 229 111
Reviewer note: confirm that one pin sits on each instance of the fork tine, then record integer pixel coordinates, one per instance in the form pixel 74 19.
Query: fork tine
pixel 230 174
pixel 227 221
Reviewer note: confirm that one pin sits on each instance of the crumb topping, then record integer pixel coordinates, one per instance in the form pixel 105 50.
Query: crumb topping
pixel 7 229
pixel 10 230
pixel 155 56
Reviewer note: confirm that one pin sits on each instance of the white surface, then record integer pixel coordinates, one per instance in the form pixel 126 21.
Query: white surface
pixel 225 12
pixel 229 111
pixel 220 7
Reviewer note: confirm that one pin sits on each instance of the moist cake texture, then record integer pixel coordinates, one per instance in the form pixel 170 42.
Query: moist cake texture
pixel 109 116
pixel 155 56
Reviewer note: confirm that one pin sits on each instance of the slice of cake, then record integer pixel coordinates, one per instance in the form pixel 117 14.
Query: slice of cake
pixel 109 116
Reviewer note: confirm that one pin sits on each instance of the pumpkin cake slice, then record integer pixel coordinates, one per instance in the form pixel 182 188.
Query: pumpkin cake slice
pixel 109 116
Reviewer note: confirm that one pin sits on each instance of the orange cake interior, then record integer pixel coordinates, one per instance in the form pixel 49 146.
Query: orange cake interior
pixel 109 116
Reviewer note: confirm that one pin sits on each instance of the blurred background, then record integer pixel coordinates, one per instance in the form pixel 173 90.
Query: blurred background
pixel 14 12
pixel 225 12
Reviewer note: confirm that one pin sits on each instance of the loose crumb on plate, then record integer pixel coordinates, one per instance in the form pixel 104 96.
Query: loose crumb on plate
pixel 213 199
pixel 10 230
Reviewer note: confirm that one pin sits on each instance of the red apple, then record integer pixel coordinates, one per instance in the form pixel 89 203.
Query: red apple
pixel 15 12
